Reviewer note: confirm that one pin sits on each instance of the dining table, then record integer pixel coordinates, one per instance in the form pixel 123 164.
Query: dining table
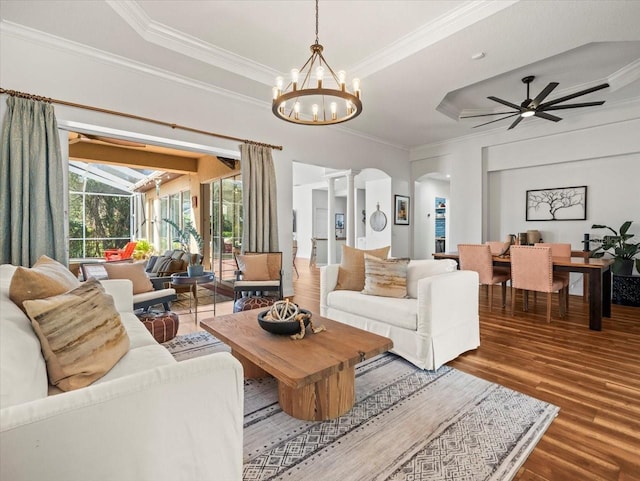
pixel 598 272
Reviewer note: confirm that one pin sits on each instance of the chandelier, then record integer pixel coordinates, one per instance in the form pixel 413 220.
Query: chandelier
pixel 313 98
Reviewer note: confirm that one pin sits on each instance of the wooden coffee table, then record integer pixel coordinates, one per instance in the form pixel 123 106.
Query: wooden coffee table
pixel 316 375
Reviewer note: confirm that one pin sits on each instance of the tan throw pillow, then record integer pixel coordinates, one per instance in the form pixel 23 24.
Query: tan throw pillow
pixel 385 277
pixel 46 278
pixel 81 334
pixel 254 267
pixel 351 270
pixel 134 271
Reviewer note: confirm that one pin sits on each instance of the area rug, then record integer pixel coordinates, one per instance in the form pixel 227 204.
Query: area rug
pixel 407 424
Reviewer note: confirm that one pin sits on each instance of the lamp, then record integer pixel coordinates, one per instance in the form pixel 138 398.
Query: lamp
pixel 323 104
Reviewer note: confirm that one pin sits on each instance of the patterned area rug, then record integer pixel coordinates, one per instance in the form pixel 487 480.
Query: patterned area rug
pixel 407 424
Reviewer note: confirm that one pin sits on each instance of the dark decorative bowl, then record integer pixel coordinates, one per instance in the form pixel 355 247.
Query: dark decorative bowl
pixel 282 327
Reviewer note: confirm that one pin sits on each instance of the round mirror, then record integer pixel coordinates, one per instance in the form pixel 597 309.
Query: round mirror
pixel 378 220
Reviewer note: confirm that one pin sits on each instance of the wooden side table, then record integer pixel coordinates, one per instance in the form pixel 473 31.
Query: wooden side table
pixel 206 278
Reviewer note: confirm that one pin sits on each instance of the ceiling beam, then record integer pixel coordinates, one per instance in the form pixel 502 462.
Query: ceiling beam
pixel 135 158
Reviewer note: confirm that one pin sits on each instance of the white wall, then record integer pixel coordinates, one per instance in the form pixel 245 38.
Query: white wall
pixel 598 150
pixel 35 65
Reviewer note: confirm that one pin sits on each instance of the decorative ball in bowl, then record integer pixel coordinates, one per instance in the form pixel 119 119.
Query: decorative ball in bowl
pixel 283 317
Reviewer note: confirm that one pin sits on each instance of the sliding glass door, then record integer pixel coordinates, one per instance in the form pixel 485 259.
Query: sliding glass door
pixel 226 226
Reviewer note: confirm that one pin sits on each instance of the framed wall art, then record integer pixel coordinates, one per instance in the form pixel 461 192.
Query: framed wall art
pixel 401 211
pixel 561 203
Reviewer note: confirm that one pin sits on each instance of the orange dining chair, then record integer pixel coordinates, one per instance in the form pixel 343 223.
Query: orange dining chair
pixel 532 270
pixel 478 258
pixel 560 250
pixel 120 254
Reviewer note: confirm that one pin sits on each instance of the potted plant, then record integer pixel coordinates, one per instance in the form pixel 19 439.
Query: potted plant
pixel 143 249
pixel 623 251
pixel 183 237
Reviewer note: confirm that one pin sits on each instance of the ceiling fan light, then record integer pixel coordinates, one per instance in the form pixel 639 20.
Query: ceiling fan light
pixel 527 113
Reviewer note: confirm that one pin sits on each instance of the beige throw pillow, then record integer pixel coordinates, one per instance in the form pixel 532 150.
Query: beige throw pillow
pixel 134 271
pixel 385 277
pixel 81 334
pixel 351 270
pixel 254 267
pixel 46 278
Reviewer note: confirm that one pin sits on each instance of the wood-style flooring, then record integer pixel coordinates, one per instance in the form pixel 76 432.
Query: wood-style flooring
pixel 594 377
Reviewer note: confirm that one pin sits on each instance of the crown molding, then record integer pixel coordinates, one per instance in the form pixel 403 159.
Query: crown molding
pixel 48 40
pixel 69 46
pixel 429 34
pixel 188 45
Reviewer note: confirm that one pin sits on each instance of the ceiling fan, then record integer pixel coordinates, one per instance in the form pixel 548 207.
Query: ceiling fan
pixel 535 107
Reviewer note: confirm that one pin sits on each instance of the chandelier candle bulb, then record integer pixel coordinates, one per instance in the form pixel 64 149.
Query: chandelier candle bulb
pixel 314 109
pixel 296 110
pixel 334 110
pixel 342 79
pixel 319 76
pixel 295 73
pixel 276 93
pixel 279 83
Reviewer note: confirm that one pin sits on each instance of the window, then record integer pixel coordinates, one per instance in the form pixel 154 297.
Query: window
pixel 100 216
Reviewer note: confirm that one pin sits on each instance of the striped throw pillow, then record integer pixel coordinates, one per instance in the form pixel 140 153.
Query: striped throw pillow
pixel 81 334
pixel 385 277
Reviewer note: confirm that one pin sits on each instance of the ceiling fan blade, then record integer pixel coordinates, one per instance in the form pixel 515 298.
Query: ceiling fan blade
pixel 486 115
pixel 574 106
pixel 504 102
pixel 515 122
pixel 543 95
pixel 542 115
pixel 572 96
pixel 497 120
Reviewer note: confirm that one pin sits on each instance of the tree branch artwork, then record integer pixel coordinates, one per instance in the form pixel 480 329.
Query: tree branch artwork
pixel 564 203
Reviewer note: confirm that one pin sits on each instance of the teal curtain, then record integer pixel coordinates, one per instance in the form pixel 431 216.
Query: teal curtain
pixel 31 185
pixel 259 203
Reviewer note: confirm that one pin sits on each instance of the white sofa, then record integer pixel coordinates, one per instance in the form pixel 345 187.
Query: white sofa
pixel 436 323
pixel 148 418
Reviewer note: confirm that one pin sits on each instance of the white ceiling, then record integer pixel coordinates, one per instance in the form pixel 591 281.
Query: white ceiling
pixel 413 57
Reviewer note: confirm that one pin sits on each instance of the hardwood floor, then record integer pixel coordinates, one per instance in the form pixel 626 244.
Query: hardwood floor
pixel 594 377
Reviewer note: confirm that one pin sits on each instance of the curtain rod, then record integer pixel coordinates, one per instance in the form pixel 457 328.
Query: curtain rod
pixel 15 93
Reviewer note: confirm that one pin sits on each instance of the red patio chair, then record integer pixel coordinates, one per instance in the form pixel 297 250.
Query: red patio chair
pixel 120 254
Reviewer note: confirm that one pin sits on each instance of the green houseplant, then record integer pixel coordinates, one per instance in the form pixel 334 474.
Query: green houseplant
pixel 618 245
pixel 143 249
pixel 183 237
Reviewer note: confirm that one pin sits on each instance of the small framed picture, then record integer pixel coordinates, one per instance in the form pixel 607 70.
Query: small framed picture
pixel 339 221
pixel 401 211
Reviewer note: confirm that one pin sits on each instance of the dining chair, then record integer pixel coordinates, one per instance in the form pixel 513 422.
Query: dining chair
pixel 478 258
pixel 560 250
pixel 532 270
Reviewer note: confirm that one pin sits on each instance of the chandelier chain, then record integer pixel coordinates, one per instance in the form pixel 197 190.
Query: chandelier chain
pixel 317 41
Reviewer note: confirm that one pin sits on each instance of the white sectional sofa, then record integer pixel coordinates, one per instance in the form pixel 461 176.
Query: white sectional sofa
pixel 435 324
pixel 149 418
